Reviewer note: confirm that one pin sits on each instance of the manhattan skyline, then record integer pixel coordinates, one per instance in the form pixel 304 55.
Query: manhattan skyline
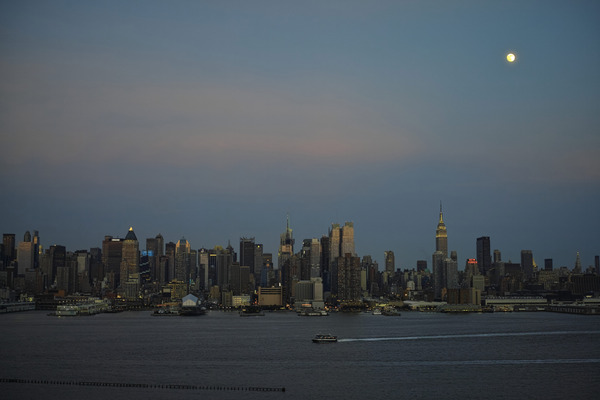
pixel 214 121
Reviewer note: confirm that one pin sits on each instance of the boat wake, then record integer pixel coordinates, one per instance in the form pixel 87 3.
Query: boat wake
pixel 468 335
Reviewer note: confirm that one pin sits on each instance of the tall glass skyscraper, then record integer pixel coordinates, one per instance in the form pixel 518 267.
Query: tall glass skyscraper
pixel 484 256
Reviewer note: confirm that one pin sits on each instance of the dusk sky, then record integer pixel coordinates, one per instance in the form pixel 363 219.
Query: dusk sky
pixel 213 120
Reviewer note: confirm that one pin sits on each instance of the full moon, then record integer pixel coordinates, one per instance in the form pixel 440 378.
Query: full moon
pixel 510 57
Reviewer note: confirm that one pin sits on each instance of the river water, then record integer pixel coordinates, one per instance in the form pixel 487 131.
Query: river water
pixel 418 355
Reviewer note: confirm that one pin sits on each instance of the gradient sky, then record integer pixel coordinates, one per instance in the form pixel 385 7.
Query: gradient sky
pixel 213 120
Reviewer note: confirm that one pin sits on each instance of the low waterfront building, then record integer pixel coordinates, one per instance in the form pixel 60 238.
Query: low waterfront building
pixel 272 296
pixel 239 301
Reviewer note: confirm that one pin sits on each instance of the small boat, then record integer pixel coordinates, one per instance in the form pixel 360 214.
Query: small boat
pixel 391 312
pixel 252 311
pixel 324 339
pixel 309 312
pixel 187 311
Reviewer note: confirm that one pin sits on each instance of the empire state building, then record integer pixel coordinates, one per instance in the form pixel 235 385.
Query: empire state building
pixel 439 257
pixel 441 236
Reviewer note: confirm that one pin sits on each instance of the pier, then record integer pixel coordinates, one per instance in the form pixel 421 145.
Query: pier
pixel 16 307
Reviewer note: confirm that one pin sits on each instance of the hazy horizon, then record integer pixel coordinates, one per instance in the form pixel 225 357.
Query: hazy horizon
pixel 213 120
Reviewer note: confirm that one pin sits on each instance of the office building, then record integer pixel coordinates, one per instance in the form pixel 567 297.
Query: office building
pixel 390 262
pixel 58 259
pixel 527 263
pixel 349 279
pixel 112 249
pixel 497 256
pixel 37 248
pixel 341 240
pixel 203 268
pixel 334 242
pixel 484 257
pixel 450 274
pixel 247 249
pixel 270 296
pixel 258 260
pixel 130 257
pixel 286 245
pixel 183 260
pixel 10 251
pixel 325 263
pixel 154 250
pixel 347 239
pixel 25 255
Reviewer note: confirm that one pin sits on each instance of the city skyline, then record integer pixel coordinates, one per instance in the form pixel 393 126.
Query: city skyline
pixel 214 121
pixel 507 255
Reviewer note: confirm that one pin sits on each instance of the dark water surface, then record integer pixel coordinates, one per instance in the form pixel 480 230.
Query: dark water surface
pixel 418 355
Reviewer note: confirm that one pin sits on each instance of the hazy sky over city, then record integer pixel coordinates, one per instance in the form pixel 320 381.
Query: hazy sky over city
pixel 213 120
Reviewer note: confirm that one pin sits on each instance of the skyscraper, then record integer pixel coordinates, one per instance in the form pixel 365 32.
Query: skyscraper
pixel 25 254
pixel 247 248
pixel 203 268
pixel 10 253
pixel 390 262
pixel 577 269
pixel 154 250
pixel 58 260
pixel 341 240
pixel 347 239
pixel 315 258
pixel 484 257
pixel 169 270
pixel 286 245
pixel 258 260
pixel 441 236
pixel 497 256
pixel 334 242
pixel 112 249
pixel 450 274
pixel 439 256
pixel 224 259
pixel 182 260
pixel 325 263
pixel 37 248
pixel 527 263
pixel 348 279
pixel 130 258
pixel 438 274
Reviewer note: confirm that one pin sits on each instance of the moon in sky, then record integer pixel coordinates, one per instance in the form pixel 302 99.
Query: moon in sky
pixel 510 57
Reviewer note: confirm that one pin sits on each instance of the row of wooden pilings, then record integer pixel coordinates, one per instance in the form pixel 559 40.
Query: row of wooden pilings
pixel 142 385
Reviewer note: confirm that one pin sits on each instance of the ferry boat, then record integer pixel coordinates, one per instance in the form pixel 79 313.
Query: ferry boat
pixel 309 312
pixel 67 311
pixel 324 339
pixel 166 310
